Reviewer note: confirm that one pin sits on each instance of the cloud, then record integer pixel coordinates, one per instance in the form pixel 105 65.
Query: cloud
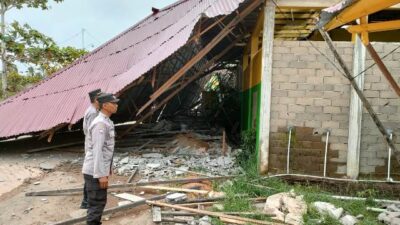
pixel 103 19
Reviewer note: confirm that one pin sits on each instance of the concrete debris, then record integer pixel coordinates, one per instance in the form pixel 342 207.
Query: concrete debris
pixel 176 197
pixel 181 170
pixel 391 216
pixel 205 220
pixel 47 166
pixel 329 209
pixel 153 166
pixel 287 207
pixel 348 220
pixel 157 166
pixel 124 160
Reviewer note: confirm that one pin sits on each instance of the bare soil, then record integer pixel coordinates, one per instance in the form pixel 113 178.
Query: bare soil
pixel 20 174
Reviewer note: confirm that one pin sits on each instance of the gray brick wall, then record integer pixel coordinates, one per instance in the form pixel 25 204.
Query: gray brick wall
pixel 308 91
pixel 386 103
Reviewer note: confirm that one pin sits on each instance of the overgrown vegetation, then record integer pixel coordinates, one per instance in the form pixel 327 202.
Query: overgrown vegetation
pixel 248 155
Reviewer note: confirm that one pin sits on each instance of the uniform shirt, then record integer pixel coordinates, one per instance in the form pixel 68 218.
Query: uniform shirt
pixel 90 114
pixel 101 142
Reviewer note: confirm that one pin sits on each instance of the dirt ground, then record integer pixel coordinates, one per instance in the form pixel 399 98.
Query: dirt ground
pixel 21 173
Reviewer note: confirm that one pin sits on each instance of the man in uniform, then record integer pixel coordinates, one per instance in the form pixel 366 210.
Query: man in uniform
pixel 98 158
pixel 90 113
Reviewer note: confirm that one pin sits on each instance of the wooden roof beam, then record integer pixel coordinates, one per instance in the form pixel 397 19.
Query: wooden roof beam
pixel 359 9
pixel 375 27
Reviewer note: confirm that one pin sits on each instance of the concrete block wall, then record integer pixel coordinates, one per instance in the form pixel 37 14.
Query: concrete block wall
pixel 309 94
pixel 386 103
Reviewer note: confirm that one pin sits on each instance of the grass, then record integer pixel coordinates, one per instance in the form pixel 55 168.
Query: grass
pixel 243 188
pixel 239 190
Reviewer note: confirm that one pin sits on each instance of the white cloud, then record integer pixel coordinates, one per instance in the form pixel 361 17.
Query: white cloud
pixel 103 19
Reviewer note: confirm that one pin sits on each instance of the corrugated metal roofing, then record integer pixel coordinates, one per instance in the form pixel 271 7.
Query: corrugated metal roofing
pixel 62 98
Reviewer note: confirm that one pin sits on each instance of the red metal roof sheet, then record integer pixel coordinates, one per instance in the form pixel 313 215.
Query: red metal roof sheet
pixel 62 98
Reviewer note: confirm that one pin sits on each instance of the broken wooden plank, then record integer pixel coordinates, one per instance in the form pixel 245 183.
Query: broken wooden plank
pixel 130 179
pixel 230 221
pixel 183 213
pixel 115 186
pixel 161 188
pixel 54 146
pixel 360 94
pixel 187 180
pixel 175 220
pixel 224 148
pixel 196 204
pixel 213 202
pixel 110 211
pixel 209 213
pixel 374 55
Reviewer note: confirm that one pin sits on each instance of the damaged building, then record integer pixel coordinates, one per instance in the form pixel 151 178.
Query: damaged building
pixel 238 65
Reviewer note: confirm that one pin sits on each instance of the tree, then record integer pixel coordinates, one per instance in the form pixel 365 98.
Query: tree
pixel 6 5
pixel 39 55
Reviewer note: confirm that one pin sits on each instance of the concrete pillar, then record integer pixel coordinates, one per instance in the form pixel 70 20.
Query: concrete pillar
pixel 266 85
pixel 355 114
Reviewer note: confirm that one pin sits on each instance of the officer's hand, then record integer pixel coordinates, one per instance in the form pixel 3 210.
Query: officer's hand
pixel 103 181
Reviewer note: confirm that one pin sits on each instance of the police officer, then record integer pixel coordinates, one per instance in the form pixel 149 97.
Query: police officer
pixel 98 159
pixel 90 113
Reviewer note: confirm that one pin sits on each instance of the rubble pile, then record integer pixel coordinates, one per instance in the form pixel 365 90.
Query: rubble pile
pixel 156 165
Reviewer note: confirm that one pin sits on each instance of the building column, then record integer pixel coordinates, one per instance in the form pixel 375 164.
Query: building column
pixel 355 114
pixel 266 85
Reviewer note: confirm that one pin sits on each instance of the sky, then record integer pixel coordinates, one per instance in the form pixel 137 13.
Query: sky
pixel 100 19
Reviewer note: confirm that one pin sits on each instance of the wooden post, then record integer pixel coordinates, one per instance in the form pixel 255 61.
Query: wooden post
pixel 355 114
pixel 224 148
pixel 360 94
pixel 266 85
pixel 383 68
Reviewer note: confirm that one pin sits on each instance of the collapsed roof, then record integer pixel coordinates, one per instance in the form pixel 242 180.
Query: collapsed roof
pixel 62 98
